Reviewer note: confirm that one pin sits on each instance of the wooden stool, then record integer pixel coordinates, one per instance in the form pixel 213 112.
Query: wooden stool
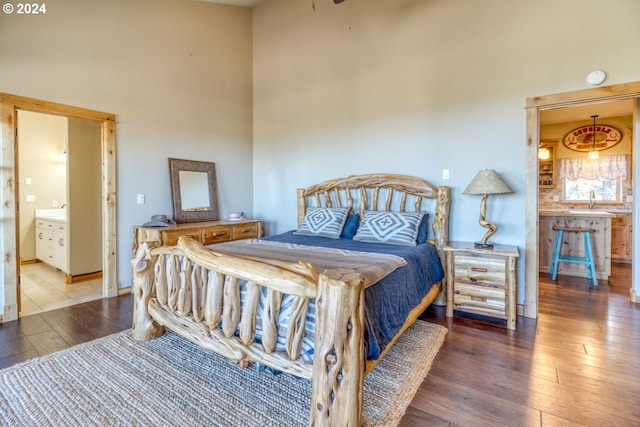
pixel 587 260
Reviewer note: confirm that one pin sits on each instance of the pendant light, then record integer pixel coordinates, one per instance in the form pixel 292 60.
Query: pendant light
pixel 594 154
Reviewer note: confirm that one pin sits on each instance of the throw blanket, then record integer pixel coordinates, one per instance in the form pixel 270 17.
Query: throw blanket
pixel 387 303
pixel 329 261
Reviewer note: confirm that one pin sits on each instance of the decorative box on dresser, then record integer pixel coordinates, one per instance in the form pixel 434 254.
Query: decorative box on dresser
pixel 206 232
pixel 482 281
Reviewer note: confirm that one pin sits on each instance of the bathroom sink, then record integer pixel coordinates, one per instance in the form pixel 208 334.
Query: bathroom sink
pixel 55 214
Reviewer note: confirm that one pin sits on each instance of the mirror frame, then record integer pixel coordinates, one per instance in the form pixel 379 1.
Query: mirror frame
pixel 180 215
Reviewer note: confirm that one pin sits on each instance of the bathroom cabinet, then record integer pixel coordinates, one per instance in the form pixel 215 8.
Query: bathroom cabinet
pixel 51 243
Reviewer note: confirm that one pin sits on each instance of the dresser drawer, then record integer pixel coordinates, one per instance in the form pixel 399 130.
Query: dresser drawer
pixel 245 231
pixel 485 270
pixel 170 237
pixel 217 234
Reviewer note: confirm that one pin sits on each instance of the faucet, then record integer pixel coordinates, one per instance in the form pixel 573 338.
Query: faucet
pixel 592 199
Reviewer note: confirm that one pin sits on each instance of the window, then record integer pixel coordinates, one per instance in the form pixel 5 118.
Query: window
pixel 579 190
pixel 603 177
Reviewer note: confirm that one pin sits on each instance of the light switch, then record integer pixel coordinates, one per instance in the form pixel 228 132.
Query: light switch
pixel 27 181
pixel 445 173
pixel 31 198
pixel 141 199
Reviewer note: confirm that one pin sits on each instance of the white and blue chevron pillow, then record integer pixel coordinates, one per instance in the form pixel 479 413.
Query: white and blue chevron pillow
pixel 323 222
pixel 396 228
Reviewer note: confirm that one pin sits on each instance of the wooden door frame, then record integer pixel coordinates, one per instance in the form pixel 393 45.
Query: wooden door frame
pixel 9 104
pixel 534 106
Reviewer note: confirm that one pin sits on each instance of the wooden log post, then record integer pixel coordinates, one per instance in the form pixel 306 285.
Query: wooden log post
pixel 339 363
pixel 441 233
pixel 144 327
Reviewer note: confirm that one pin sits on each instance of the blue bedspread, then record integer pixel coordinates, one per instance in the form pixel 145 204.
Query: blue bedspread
pixel 388 302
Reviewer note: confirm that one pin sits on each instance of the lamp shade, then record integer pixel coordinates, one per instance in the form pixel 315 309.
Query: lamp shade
pixel 487 182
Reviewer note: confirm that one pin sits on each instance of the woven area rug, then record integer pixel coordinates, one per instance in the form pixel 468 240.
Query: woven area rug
pixel 116 381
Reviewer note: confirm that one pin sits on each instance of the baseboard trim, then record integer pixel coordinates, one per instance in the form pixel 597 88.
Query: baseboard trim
pixel 124 291
pixel 82 277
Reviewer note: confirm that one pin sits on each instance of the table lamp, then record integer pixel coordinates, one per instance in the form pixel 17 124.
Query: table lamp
pixel 487 182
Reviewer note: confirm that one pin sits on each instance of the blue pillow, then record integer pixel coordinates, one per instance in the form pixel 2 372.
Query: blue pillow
pixel 422 230
pixel 350 226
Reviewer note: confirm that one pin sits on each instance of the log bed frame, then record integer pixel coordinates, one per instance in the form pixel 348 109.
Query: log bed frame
pixel 195 292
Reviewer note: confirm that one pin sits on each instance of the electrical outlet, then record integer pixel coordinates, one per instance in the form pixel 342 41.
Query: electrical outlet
pixel 141 199
pixel 30 198
pixel 628 198
pixel 445 173
pixel 54 204
pixel 556 198
pixel 27 181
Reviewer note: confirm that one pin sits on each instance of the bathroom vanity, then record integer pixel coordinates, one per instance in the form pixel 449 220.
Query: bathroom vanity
pixel 52 238
pixel 572 244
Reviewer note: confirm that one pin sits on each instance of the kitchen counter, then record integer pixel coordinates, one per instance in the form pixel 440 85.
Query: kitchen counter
pixel 578 213
pixel 573 244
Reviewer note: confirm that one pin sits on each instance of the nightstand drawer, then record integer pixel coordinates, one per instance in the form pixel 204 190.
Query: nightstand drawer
pixel 474 297
pixel 217 235
pixel 486 270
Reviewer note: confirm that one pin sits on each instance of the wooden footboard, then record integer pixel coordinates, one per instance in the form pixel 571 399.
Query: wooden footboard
pixel 195 292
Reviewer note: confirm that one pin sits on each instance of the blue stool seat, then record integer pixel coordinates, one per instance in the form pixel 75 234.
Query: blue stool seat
pixel 587 260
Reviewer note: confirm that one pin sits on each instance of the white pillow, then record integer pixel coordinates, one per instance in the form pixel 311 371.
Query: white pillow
pixel 396 228
pixel 323 222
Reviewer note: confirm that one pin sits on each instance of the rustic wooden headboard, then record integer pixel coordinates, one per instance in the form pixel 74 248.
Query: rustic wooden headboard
pixel 390 192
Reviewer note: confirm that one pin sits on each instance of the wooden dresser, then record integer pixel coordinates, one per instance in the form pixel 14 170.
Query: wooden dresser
pixel 207 232
pixel 482 281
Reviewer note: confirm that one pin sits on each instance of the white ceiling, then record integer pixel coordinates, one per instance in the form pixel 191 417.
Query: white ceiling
pixel 245 3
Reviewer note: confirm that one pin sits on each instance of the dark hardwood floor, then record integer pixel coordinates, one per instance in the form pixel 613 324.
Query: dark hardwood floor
pixel 44 333
pixel 577 365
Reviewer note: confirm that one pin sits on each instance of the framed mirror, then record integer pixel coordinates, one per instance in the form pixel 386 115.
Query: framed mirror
pixel 193 190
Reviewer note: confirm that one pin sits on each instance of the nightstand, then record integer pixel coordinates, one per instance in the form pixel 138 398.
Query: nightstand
pixel 482 281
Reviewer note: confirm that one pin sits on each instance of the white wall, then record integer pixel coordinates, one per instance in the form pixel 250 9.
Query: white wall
pixel 84 206
pixel 414 87
pixel 177 75
pixel 403 86
pixel 42 141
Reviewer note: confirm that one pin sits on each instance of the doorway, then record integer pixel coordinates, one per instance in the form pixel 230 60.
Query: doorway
pixel 60 211
pixel 557 101
pixel 9 105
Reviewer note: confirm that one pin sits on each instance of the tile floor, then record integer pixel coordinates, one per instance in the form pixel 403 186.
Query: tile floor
pixel 43 288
